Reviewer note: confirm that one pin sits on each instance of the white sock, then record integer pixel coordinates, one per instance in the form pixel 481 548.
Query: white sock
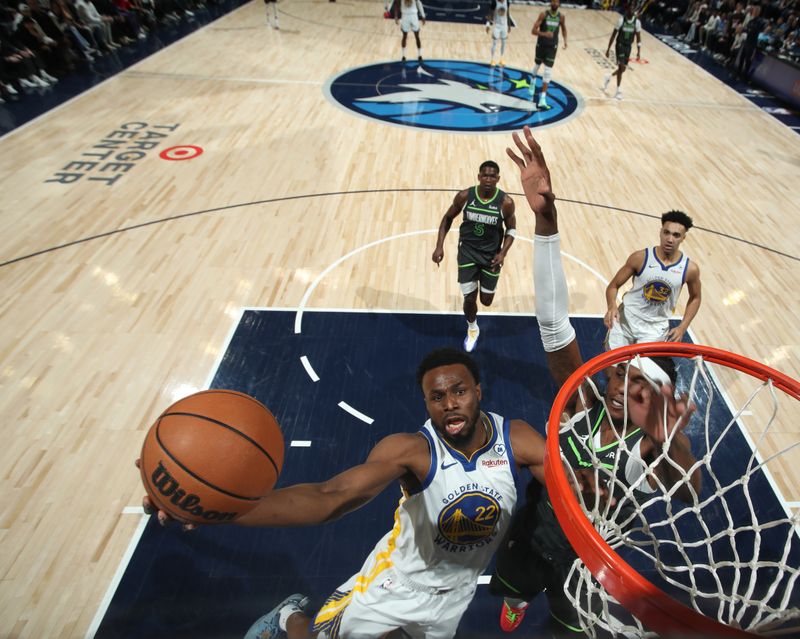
pixel 404 52
pixel 472 325
pixel 419 52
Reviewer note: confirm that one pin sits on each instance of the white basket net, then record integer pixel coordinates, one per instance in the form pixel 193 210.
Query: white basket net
pixel 732 553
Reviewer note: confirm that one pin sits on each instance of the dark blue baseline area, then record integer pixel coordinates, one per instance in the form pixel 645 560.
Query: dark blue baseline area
pixel 216 581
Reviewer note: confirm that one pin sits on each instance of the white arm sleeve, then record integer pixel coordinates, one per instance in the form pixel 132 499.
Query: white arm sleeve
pixel 551 293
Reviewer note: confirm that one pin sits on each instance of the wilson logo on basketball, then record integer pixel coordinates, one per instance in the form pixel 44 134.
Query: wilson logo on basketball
pixel 168 486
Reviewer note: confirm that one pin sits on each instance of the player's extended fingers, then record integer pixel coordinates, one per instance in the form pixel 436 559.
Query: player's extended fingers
pixel 522 148
pixel 535 149
pixel 517 160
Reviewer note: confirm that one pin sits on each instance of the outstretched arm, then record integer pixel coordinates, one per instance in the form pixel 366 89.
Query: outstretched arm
pixel 550 283
pixel 692 306
pixel 399 456
pixel 447 221
pixel 308 504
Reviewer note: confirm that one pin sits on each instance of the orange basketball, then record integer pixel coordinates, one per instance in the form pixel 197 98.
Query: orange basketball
pixel 210 456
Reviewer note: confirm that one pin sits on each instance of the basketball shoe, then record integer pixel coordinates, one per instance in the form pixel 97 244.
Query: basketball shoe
pixel 268 626
pixel 618 95
pixel 471 339
pixel 510 617
pixel 542 104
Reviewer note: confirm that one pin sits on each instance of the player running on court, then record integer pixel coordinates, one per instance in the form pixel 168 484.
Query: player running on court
pixel 486 234
pixel 546 29
pixel 658 274
pixel 628 27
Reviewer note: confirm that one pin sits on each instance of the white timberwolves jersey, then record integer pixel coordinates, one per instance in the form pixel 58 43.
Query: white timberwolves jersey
pixel 445 534
pixel 656 288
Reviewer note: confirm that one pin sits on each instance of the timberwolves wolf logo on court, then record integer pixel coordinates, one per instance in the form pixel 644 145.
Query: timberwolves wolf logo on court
pixel 447 95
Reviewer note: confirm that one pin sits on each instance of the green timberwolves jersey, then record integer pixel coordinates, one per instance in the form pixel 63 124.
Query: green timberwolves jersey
pixel 627 31
pixel 551 23
pixel 482 228
pixel 580 443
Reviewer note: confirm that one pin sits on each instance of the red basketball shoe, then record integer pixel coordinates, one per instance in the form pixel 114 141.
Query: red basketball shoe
pixel 511 617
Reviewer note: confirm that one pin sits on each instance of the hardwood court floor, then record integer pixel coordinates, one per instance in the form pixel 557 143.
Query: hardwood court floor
pixel 98 336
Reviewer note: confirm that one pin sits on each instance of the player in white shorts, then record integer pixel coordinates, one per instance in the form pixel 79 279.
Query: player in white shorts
pixel 410 13
pixel 457 480
pixel 658 274
pixel 498 21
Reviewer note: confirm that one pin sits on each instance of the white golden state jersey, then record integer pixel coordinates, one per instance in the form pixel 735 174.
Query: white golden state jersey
pixel 656 287
pixel 501 14
pixel 445 534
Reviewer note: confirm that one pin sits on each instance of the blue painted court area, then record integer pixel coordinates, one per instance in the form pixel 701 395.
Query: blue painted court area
pixel 216 581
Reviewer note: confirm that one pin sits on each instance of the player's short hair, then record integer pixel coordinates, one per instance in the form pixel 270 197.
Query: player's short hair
pixel 491 164
pixel 677 216
pixel 446 357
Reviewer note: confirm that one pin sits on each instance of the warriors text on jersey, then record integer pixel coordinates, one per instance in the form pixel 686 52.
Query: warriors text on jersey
pixel 656 287
pixel 482 229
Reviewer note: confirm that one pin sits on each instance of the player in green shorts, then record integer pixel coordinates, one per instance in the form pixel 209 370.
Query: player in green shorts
pixel 628 27
pixel 546 29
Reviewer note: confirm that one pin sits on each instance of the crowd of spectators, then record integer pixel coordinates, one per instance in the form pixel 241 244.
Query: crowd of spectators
pixel 43 40
pixel 732 31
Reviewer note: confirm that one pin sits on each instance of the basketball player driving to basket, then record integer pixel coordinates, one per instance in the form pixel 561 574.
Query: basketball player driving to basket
pixel 422 574
pixel 457 480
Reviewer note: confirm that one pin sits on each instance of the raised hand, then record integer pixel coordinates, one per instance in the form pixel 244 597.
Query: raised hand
pixel 657 412
pixel 535 178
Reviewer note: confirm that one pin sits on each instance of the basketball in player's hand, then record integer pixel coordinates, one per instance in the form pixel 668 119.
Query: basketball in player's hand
pixel 210 456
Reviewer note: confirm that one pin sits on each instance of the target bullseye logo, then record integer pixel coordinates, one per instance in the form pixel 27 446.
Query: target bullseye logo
pixel 183 152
